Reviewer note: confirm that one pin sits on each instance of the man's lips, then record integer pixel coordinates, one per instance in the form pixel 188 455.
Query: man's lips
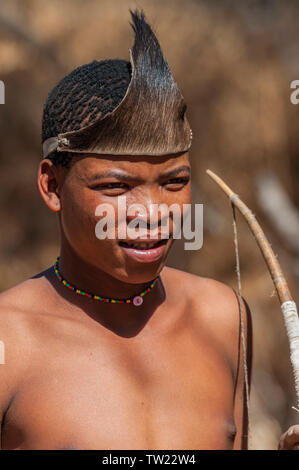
pixel 143 244
pixel 144 250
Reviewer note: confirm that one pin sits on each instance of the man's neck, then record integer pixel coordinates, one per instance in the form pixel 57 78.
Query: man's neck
pixel 124 319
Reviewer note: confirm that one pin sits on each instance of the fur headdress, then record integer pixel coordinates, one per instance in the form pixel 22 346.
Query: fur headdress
pixel 150 119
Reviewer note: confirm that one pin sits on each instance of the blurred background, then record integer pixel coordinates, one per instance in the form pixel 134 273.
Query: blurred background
pixel 234 62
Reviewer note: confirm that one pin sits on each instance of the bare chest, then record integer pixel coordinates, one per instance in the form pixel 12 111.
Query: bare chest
pixel 174 393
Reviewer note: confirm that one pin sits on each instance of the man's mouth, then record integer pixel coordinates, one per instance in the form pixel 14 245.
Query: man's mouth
pixel 145 251
pixel 144 245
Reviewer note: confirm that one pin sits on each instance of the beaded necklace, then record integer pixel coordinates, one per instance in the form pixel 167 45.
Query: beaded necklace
pixel 136 300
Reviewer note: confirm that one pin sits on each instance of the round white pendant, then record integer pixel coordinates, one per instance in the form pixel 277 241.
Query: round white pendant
pixel 138 300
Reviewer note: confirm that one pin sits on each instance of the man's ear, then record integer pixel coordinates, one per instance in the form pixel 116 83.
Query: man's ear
pixel 47 182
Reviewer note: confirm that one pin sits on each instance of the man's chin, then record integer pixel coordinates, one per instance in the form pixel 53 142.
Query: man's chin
pixel 140 274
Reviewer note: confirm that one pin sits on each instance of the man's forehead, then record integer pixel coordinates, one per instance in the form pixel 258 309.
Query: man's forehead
pixel 100 164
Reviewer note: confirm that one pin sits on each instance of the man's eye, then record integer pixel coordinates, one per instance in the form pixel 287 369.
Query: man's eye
pixel 176 183
pixel 116 185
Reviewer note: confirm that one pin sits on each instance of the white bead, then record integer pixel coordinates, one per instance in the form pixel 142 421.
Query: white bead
pixel 138 300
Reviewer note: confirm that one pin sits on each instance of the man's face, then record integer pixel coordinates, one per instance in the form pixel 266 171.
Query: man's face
pixel 95 180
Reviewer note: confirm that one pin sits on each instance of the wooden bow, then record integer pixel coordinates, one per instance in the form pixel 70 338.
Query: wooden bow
pixel 287 304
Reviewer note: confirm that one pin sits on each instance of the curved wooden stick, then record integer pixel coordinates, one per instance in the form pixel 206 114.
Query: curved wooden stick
pixel 287 303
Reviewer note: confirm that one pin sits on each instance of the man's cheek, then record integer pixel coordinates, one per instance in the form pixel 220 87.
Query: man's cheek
pixel 105 224
pixel 77 221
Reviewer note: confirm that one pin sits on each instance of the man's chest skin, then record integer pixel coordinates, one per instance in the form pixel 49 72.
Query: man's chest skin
pixel 92 390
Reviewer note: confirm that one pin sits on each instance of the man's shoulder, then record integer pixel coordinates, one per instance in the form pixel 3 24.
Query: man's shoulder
pixel 213 309
pixel 201 290
pixel 22 296
pixel 19 322
pixel 212 304
pixel 21 305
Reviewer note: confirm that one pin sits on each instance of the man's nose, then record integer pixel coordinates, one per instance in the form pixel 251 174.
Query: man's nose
pixel 150 215
pixel 152 221
pixel 144 212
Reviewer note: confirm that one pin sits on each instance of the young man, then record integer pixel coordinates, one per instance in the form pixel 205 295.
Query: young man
pixel 111 349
